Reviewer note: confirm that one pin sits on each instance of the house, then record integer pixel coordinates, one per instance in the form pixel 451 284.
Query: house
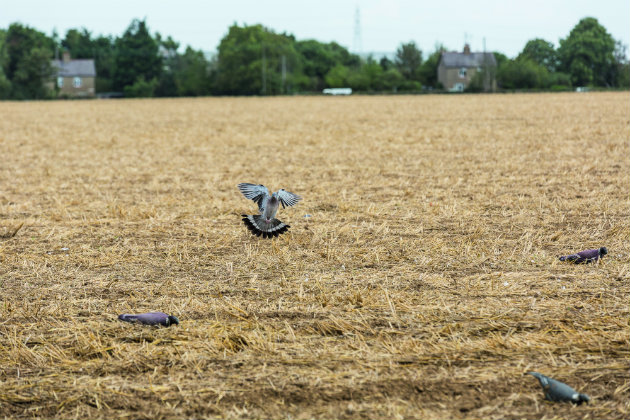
pixel 456 70
pixel 75 78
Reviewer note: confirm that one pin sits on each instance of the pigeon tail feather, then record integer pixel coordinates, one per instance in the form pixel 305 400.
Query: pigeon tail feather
pixel 259 227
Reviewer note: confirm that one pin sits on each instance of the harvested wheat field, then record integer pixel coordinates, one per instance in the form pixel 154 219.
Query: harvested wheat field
pixel 424 284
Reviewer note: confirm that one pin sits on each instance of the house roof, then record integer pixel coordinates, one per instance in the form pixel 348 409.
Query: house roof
pixel 84 67
pixel 477 59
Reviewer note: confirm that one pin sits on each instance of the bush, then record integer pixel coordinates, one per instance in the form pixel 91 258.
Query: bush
pixel 141 88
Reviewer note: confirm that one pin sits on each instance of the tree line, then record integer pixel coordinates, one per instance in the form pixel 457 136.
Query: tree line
pixel 255 60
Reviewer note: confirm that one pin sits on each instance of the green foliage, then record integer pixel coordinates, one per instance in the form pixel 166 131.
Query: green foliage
pixel 542 53
pixel 171 62
pixel 192 77
pixel 373 75
pixel 428 70
pixel 136 56
pixel 5 83
pixel 337 76
pixel 319 58
pixel 141 88
pixel 386 63
pixel 500 58
pixel 28 67
pixel 410 86
pixel 522 73
pixel 252 59
pixel 408 60
pixel 79 43
pixel 587 54
pixel 621 68
pixel 392 79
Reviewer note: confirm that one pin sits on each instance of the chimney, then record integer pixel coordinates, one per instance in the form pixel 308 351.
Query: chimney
pixel 66 56
pixel 466 49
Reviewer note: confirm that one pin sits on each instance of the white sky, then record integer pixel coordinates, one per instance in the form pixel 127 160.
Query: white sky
pixel 506 25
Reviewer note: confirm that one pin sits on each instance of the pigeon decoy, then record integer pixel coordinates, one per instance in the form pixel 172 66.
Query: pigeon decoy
pixel 559 391
pixel 151 318
pixel 265 224
pixel 586 257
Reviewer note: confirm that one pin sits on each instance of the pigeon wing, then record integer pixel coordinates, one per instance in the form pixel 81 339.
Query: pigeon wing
pixel 256 192
pixel 288 198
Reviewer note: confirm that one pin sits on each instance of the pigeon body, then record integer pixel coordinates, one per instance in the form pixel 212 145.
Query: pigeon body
pixel 559 391
pixel 586 257
pixel 265 224
pixel 150 318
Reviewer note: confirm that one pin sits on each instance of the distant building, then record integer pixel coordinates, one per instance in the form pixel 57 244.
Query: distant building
pixel 456 70
pixel 74 78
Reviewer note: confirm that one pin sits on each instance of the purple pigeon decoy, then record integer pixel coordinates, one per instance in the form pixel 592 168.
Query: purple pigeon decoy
pixel 586 257
pixel 265 223
pixel 151 318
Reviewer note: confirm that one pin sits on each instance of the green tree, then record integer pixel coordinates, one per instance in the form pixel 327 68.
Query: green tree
pixel 255 60
pixel 318 59
pixel 141 88
pixel 28 67
pixel 105 62
pixel 621 68
pixel 171 62
pixel 137 55
pixel 370 77
pixel 337 76
pixel 500 58
pixel 408 60
pixel 5 84
pixel 79 43
pixel 522 73
pixel 391 79
pixel 192 77
pixel 428 70
pixel 386 64
pixel 541 52
pixel 587 54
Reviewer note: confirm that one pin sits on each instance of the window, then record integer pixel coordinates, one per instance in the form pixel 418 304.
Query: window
pixel 462 72
pixel 60 81
pixel 76 82
pixel 459 87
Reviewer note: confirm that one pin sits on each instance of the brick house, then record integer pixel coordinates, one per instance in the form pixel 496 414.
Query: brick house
pixel 456 70
pixel 75 78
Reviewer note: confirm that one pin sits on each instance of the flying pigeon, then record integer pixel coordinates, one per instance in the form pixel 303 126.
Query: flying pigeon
pixel 265 224
pixel 151 318
pixel 588 256
pixel 559 391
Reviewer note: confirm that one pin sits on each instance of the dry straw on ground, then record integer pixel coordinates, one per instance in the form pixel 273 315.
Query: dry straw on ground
pixel 424 285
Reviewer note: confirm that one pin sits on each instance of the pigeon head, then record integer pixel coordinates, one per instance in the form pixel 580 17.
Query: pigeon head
pixel 172 320
pixel 603 251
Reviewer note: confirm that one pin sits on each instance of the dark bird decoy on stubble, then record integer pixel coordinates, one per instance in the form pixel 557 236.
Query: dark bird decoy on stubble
pixel 151 318
pixel 265 224
pixel 559 391
pixel 586 257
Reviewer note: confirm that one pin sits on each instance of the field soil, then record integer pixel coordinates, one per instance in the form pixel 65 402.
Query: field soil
pixel 419 278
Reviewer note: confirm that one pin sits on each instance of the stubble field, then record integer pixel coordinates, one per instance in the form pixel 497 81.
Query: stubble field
pixel 424 284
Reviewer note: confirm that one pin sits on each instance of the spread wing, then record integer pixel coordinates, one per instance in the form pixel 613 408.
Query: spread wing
pixel 288 198
pixel 259 193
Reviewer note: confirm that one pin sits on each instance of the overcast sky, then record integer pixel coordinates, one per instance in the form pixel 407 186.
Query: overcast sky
pixel 506 25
